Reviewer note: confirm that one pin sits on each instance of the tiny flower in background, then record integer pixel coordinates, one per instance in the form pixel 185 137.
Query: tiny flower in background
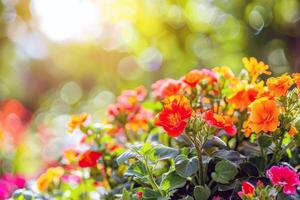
pixel 140 195
pixel 77 121
pixel 216 198
pixel 293 131
pixel 255 68
pixel 192 78
pixel 279 86
pixel 166 87
pixel 285 177
pixel 175 114
pixel 263 115
pixel 89 159
pixel 219 121
pixel 50 177
pixel 248 190
pixel 296 77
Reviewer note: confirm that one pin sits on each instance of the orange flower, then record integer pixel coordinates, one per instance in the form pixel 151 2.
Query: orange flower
pixel 166 87
pixel 292 131
pixel 195 76
pixel 77 121
pixel 49 177
pixel 192 78
pixel 255 68
pixel 263 115
pixel 219 121
pixel 243 96
pixel 279 86
pixel 296 77
pixel 175 114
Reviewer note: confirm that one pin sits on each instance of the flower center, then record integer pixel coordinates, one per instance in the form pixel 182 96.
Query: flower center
pixel 174 119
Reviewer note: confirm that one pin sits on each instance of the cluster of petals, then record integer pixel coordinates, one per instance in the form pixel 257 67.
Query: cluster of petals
pixel 175 114
pixel 285 177
pixel 264 115
pixel 219 121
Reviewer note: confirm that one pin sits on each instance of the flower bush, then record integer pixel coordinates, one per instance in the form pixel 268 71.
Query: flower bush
pixel 208 135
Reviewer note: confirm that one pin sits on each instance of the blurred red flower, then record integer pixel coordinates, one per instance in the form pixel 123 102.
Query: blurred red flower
pixel 89 159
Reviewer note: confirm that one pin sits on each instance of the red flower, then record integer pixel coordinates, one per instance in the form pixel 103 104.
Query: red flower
pixel 175 114
pixel 140 195
pixel 89 158
pixel 166 87
pixel 247 190
pixel 285 177
pixel 219 121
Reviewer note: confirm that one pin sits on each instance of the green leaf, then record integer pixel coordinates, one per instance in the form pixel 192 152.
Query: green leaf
pixel 233 156
pixel 186 167
pixel 125 156
pixel 125 194
pixel 225 171
pixel 201 193
pixel 258 162
pixel 265 141
pixel 164 152
pixel 297 125
pixel 149 194
pixel 188 198
pixel 145 148
pixel 137 169
pixel 172 181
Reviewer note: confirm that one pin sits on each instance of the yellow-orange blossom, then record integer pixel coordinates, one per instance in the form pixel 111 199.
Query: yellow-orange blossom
pixel 263 115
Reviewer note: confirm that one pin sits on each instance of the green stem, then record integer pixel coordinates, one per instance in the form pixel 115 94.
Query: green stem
pixel 199 154
pixel 151 178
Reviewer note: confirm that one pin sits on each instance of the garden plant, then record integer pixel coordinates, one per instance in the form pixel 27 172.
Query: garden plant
pixel 209 135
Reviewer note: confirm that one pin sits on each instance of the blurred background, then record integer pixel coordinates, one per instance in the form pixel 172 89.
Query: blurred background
pixel 62 57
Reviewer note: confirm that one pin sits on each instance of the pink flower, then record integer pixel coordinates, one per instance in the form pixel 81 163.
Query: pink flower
pixel 285 177
pixel 216 198
pixel 9 183
pixel 247 190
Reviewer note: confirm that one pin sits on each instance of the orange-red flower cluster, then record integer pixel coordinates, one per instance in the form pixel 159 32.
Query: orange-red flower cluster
pixel 175 114
pixel 220 121
pixel 166 87
pixel 128 112
pixel 194 77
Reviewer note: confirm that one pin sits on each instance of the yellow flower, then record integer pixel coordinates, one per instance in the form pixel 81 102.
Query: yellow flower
pixel 255 68
pixel 77 121
pixel 51 176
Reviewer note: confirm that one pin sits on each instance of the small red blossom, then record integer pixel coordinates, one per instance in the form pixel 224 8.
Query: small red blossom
pixel 247 190
pixel 89 159
pixel 175 114
pixel 219 121
pixel 140 195
pixel 285 177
